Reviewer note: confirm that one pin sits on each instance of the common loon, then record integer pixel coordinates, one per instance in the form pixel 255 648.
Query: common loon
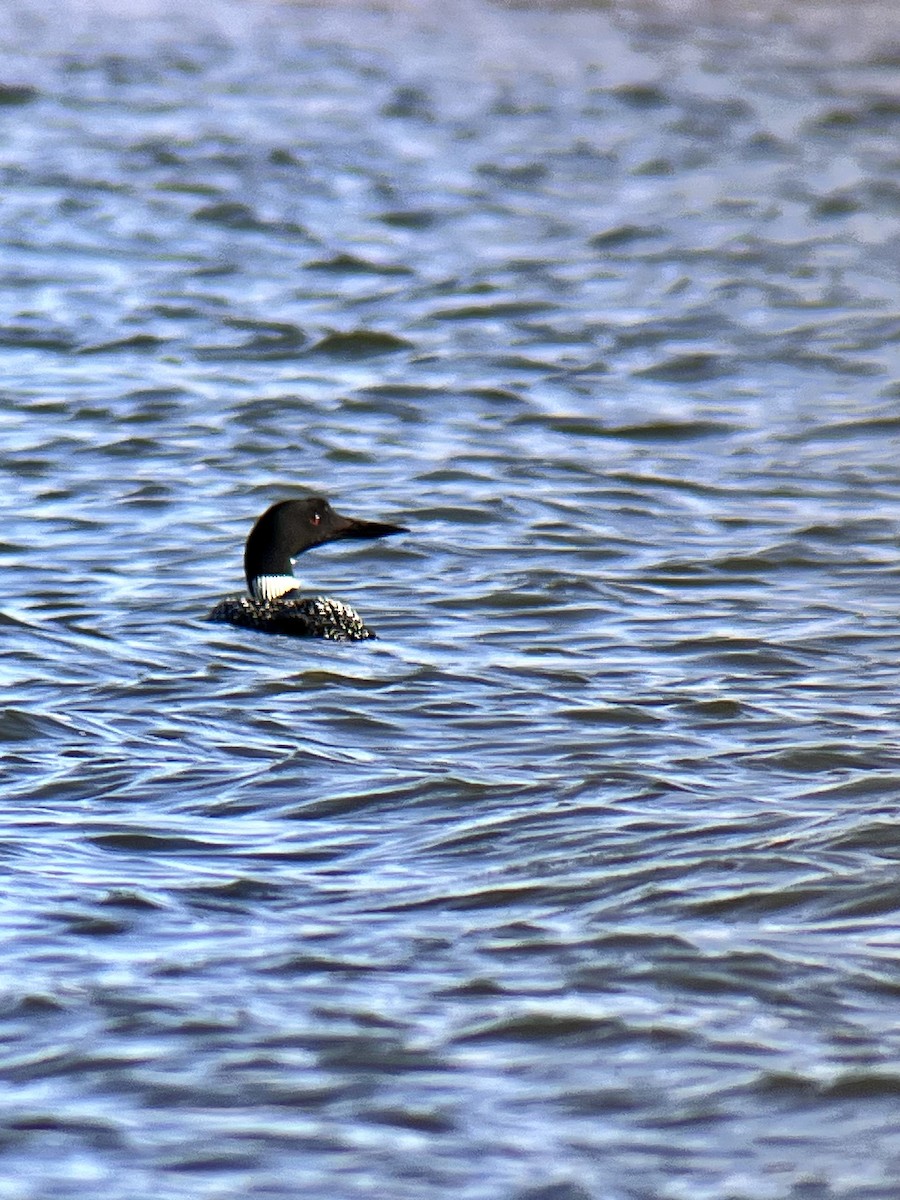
pixel 275 604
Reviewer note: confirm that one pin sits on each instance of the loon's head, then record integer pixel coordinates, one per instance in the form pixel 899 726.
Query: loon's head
pixel 286 530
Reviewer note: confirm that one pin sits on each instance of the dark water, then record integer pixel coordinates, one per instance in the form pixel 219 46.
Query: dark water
pixel 583 882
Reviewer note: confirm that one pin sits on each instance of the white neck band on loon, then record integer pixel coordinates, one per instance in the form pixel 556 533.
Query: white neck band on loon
pixel 270 587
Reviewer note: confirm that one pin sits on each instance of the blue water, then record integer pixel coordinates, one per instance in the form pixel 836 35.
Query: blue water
pixel 580 882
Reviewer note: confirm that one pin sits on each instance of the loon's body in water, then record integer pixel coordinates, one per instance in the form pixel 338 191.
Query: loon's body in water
pixel 275 604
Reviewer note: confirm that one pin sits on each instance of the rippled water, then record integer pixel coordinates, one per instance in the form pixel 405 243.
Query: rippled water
pixel 580 883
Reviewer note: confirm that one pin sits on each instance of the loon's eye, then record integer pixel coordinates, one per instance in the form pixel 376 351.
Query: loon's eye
pixel 315 518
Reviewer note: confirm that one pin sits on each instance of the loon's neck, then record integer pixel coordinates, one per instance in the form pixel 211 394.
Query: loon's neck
pixel 270 587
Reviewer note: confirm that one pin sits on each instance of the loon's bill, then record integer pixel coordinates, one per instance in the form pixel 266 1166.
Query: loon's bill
pixel 275 604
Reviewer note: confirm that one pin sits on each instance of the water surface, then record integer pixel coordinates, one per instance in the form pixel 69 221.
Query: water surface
pixel 581 881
